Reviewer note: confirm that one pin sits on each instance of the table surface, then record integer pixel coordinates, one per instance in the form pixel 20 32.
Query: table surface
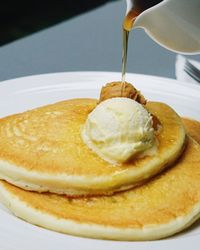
pixel 88 42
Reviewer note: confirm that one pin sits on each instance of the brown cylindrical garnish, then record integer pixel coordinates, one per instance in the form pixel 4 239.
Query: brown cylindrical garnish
pixel 114 89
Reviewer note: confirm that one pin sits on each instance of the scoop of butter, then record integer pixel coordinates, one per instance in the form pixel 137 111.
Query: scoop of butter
pixel 118 129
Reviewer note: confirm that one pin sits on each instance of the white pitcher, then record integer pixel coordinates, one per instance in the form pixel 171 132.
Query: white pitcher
pixel 174 24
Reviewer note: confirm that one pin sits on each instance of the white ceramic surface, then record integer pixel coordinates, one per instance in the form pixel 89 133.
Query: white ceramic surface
pixel 174 24
pixel 28 92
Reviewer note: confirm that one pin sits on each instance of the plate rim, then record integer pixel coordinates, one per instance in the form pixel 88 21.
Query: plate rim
pixel 128 74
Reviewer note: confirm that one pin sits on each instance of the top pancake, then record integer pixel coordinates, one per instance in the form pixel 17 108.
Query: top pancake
pixel 42 150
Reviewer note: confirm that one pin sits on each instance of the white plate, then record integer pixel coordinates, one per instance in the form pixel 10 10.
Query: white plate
pixel 28 92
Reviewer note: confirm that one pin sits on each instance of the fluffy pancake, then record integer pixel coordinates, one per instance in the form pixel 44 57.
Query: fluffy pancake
pixel 193 128
pixel 164 206
pixel 42 150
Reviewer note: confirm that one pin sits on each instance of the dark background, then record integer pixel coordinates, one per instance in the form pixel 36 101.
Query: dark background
pixel 19 18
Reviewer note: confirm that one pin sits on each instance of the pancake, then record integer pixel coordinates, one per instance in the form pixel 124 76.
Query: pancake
pixel 167 204
pixel 42 150
pixel 193 128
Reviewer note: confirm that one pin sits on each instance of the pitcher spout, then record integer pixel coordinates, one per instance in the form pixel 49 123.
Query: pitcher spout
pixel 174 24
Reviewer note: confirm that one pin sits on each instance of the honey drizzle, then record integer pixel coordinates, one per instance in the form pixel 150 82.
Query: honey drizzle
pixel 127 26
pixel 139 7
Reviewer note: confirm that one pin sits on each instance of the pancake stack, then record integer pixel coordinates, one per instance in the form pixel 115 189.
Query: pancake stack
pixel 50 178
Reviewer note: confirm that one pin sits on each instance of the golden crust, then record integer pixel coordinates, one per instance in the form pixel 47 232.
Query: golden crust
pixel 43 145
pixel 162 205
pixel 169 195
pixel 193 128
